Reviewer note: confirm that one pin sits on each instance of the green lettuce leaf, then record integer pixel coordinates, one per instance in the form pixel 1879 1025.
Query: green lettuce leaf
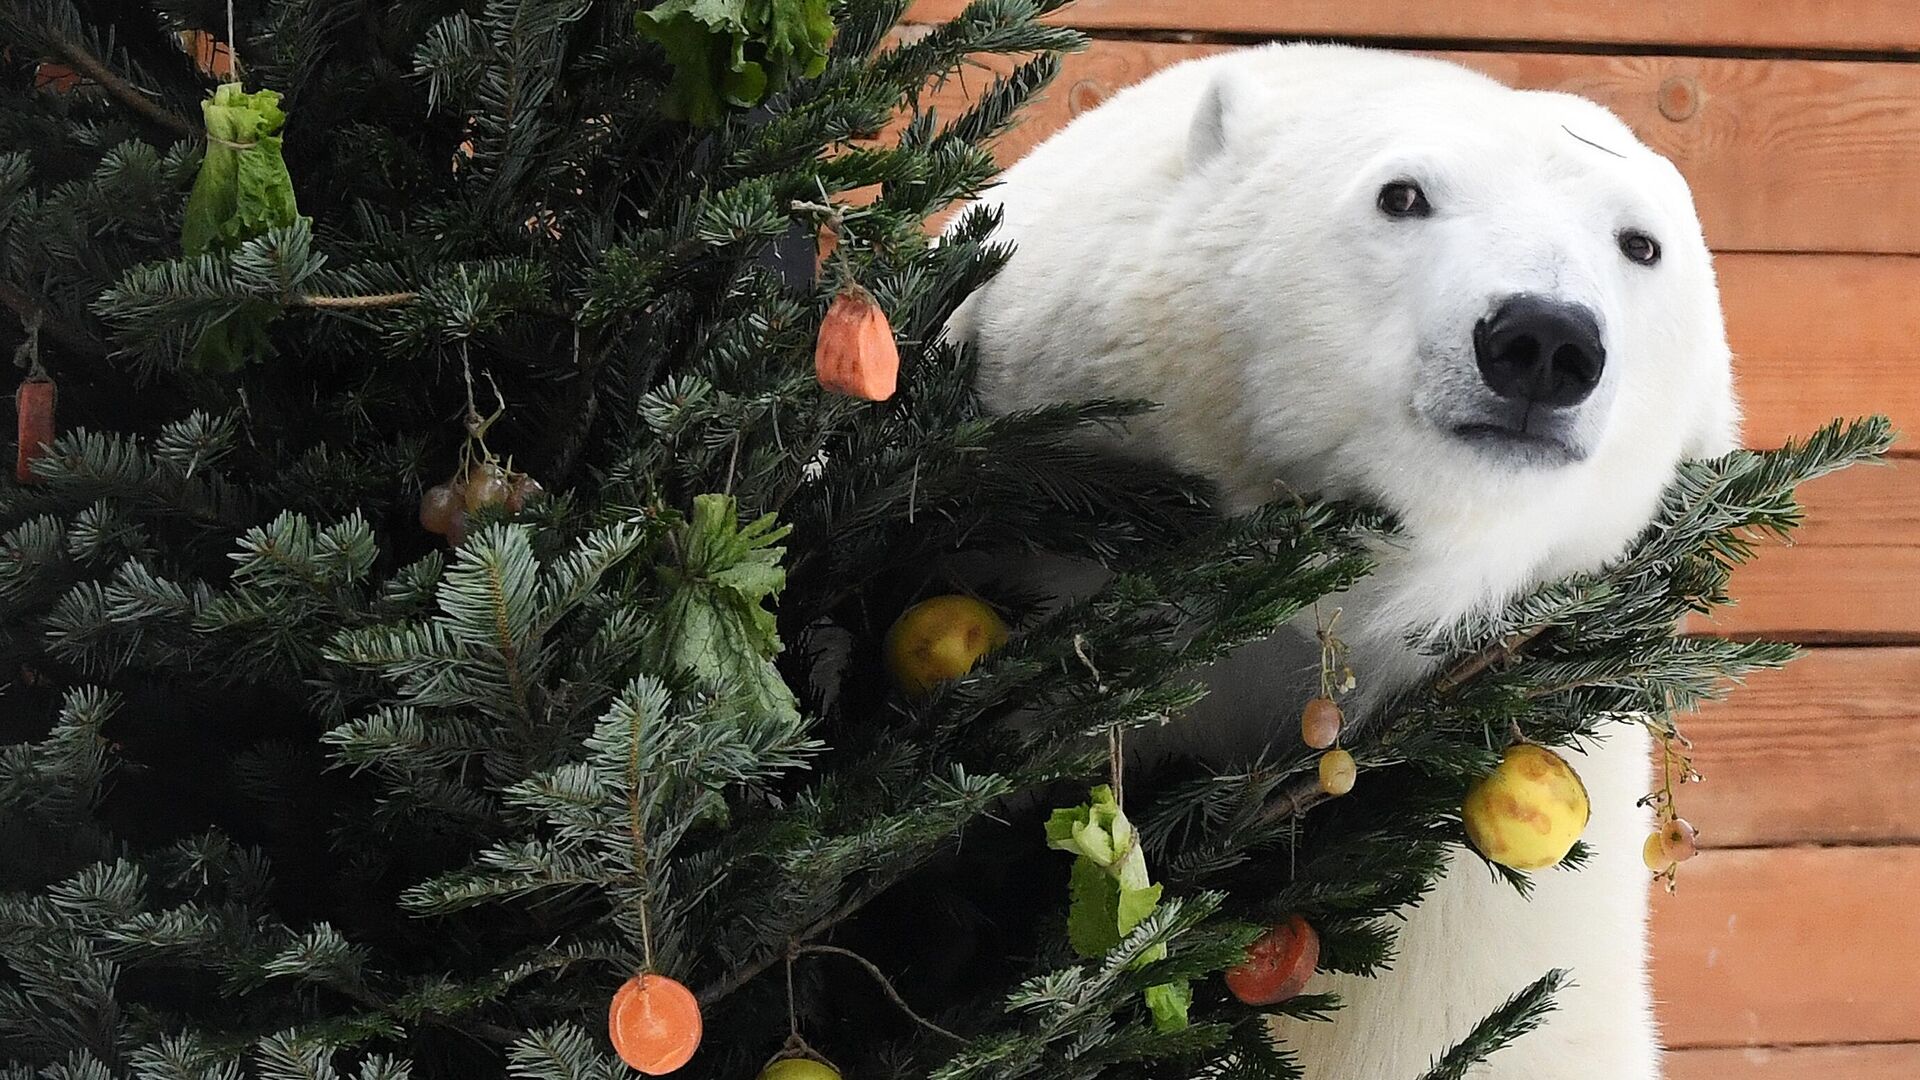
pixel 1169 1003
pixel 715 624
pixel 1109 887
pixel 735 52
pixel 243 190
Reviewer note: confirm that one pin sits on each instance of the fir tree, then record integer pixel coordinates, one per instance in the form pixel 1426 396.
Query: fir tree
pixel 291 788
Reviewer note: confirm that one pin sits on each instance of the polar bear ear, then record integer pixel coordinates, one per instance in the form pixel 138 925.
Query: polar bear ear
pixel 1207 139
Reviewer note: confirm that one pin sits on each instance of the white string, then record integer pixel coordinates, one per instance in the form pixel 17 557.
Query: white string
pixel 233 49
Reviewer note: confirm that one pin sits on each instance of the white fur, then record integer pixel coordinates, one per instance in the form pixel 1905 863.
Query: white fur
pixel 1210 240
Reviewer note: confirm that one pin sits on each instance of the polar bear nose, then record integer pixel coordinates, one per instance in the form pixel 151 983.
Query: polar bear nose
pixel 1540 351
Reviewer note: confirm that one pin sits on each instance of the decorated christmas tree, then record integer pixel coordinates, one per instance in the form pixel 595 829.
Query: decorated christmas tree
pixel 482 591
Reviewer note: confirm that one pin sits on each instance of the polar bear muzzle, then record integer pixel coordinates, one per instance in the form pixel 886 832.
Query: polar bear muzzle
pixel 1541 357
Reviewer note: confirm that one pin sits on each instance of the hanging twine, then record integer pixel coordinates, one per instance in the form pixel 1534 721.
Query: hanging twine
pixel 27 355
pixel 231 75
pixel 636 829
pixel 886 986
pixel 233 53
pixel 1116 737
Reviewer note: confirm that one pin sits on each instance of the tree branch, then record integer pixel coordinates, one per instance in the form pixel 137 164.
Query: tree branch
pixel 740 977
pixel 78 58
pixel 1493 654
pixel 353 303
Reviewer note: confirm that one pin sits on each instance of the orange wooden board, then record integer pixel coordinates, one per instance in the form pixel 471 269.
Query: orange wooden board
pixel 1889 1061
pixel 1820 751
pixel 1783 946
pixel 1852 572
pixel 1820 336
pixel 1806 24
pixel 1783 155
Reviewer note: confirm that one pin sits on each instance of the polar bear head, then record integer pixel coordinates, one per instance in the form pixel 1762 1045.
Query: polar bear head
pixel 1378 276
pixel 1512 271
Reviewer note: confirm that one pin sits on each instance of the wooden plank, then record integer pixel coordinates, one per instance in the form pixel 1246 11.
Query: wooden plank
pixel 1852 573
pixel 1820 336
pixel 1784 946
pixel 1783 155
pixel 1888 1061
pixel 1818 752
pixel 1891 25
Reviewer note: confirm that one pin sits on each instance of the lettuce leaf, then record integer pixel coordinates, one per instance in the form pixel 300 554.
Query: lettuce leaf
pixel 1110 892
pixel 715 624
pixel 243 190
pixel 735 52
pixel 1169 1003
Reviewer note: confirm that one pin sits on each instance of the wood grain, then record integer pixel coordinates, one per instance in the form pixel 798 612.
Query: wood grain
pixel 1820 336
pixel 1891 25
pixel 1852 573
pixel 1889 1061
pixel 1818 752
pixel 1784 946
pixel 1783 155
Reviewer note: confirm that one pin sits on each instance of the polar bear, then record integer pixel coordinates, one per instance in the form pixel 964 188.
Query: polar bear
pixel 1384 277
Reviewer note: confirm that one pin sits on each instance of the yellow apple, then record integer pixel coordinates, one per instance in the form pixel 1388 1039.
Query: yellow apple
pixel 1527 813
pixel 940 639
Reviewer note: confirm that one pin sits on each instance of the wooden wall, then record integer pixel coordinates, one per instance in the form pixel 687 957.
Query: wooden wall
pixel 1792 950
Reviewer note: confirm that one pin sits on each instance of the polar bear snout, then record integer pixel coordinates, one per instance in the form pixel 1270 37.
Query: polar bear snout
pixel 1538 351
pixel 1540 360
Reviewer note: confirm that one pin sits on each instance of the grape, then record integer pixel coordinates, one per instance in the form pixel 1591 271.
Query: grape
pixel 1320 723
pixel 1337 772
pixel 1654 854
pixel 486 486
pixel 1679 841
pixel 525 490
pixel 437 507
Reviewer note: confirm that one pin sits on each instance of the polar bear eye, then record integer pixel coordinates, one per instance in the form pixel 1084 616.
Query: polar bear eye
pixel 1404 199
pixel 1639 247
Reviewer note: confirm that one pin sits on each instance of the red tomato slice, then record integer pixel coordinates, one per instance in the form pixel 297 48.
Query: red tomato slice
pixel 1278 965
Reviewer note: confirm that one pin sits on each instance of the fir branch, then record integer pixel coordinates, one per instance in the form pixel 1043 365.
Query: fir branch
pixel 81 60
pixel 1522 1013
pixel 1497 653
pixel 352 303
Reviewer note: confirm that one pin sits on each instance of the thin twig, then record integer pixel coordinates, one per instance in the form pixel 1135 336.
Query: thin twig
pixel 741 976
pixel 1299 797
pixel 94 69
pixel 886 985
pixel 1116 746
pixel 1493 654
pixel 353 303
pixel 637 831
pixel 233 49
pixel 733 462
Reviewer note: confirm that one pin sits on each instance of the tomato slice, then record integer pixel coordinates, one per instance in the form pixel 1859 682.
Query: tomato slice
pixel 1278 964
